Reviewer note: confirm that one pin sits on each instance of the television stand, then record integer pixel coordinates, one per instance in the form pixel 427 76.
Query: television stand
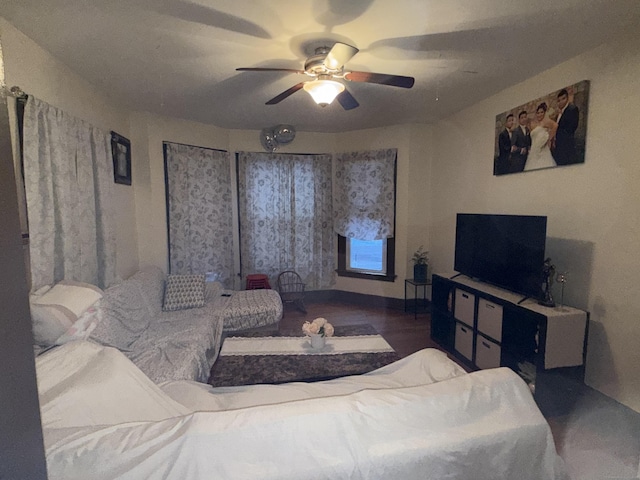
pixel 486 327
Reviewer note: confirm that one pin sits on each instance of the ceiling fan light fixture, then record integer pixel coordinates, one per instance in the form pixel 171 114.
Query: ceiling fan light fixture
pixel 323 91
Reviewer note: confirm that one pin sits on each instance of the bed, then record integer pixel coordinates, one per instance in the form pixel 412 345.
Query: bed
pixel 421 417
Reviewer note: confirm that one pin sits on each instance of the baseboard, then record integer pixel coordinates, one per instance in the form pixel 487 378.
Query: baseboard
pixel 318 296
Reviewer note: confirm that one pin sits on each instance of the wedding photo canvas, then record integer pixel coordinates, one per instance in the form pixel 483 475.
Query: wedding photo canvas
pixel 547 132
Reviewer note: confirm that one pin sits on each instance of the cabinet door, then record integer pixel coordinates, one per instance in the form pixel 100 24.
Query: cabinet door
pixel 464 341
pixel 464 309
pixel 487 353
pixel 490 319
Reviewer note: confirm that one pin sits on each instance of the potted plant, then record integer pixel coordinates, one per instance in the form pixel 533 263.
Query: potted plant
pixel 420 259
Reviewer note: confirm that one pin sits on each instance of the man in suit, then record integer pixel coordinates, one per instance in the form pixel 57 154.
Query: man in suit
pixel 521 140
pixel 564 146
pixel 505 147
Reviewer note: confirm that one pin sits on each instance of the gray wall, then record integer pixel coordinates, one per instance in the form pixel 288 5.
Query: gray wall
pixel 21 446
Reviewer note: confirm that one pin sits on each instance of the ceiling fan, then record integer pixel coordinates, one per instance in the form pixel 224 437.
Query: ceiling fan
pixel 327 65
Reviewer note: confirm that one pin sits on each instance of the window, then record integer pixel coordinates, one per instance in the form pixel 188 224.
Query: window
pixel 364 204
pixel 371 259
pixel 367 256
pixel 199 219
pixel 285 216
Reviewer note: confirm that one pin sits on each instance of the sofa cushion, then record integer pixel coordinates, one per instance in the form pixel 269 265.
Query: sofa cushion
pixel 151 282
pixel 183 291
pixel 125 315
pixel 58 308
pixel 251 309
pixel 182 345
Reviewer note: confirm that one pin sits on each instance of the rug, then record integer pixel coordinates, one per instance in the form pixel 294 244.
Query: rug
pixel 234 370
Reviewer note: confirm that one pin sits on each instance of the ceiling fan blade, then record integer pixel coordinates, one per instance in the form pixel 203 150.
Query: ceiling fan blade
pixel 382 78
pixel 340 54
pixel 347 101
pixel 285 94
pixel 291 70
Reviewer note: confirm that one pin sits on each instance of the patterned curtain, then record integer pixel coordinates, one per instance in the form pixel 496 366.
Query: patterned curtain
pixel 199 212
pixel 284 204
pixel 364 194
pixel 68 172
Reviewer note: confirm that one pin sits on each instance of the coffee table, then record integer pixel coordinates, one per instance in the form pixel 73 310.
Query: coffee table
pixel 237 365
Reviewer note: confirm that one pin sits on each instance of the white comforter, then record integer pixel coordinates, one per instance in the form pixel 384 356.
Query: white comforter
pixel 421 418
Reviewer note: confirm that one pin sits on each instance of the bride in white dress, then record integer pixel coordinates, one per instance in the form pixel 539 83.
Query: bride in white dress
pixel 543 131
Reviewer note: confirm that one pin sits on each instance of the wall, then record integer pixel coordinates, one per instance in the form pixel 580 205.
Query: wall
pixel 592 208
pixel 34 70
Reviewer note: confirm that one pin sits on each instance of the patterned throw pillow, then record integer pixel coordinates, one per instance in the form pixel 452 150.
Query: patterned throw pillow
pixel 183 291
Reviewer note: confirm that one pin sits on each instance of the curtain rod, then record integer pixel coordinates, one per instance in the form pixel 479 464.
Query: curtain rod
pixel 18 92
pixel 196 146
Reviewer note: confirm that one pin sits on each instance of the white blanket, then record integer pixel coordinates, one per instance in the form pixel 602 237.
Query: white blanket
pixel 81 383
pixel 422 368
pixel 483 425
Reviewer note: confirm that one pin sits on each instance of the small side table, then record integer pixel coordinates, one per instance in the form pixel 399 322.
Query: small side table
pixel 416 285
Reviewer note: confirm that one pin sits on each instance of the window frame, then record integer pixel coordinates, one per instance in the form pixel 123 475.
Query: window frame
pixel 342 271
pixel 349 245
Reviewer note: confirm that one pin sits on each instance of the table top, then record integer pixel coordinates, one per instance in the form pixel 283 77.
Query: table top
pixel 253 369
pixel 515 298
pixel 334 345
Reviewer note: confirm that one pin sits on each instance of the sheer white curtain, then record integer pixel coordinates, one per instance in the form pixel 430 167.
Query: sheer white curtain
pixel 364 194
pixel 68 172
pixel 286 216
pixel 199 211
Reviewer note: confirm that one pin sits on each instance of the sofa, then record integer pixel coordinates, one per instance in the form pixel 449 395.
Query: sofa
pixel 168 339
pixel 422 417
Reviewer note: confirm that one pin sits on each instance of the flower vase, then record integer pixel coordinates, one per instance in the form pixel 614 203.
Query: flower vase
pixel 317 341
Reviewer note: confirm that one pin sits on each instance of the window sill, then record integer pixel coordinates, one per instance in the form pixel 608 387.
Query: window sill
pixel 366 276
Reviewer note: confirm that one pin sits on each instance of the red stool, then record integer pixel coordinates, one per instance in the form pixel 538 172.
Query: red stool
pixel 257 281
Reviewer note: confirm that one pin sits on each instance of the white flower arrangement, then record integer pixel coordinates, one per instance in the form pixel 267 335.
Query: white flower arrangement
pixel 319 326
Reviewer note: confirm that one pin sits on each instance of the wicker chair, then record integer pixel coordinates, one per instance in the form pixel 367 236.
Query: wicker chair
pixel 291 289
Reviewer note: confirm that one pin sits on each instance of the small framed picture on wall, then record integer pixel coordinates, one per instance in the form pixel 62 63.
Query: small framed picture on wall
pixel 121 151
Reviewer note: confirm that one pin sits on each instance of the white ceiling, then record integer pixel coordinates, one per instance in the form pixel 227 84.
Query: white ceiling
pixel 178 57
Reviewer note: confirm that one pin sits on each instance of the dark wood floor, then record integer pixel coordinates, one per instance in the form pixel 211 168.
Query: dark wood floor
pixel 605 444
pixel 403 332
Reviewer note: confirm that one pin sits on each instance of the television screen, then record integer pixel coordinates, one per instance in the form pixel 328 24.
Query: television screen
pixel 505 250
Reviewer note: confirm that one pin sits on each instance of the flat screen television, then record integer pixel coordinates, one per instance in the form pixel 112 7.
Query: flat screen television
pixel 504 250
